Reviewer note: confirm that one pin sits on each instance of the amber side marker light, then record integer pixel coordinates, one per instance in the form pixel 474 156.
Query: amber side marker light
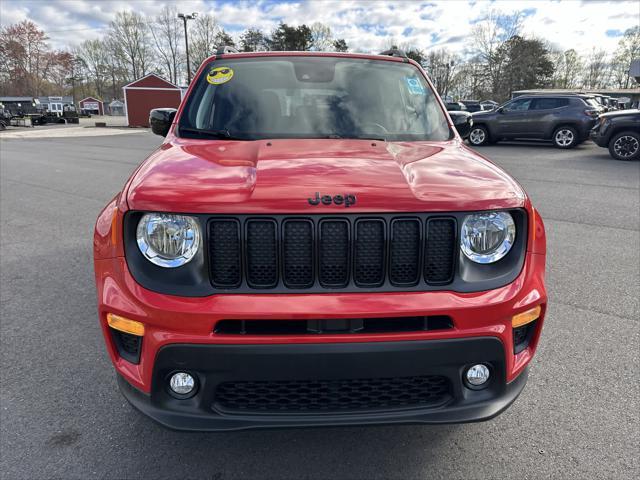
pixel 526 317
pixel 125 325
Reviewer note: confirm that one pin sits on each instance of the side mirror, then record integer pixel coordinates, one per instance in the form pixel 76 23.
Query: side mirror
pixel 500 110
pixel 160 120
pixel 463 121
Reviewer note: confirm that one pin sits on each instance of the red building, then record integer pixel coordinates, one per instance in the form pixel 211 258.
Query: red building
pixel 91 105
pixel 147 93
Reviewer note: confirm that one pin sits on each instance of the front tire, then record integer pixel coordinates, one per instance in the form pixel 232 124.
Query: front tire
pixel 479 136
pixel 625 146
pixel 565 137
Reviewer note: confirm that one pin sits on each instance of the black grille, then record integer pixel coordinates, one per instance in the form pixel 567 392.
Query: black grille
pixel 298 253
pixel 262 254
pixel 441 236
pixel 369 253
pixel 334 253
pixel 224 251
pixel 318 396
pixel 330 252
pixel 404 265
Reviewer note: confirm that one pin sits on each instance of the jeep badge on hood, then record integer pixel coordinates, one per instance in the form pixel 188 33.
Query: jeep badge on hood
pixel 347 199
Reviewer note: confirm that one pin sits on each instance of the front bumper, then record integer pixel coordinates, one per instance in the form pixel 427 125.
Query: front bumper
pixel 213 365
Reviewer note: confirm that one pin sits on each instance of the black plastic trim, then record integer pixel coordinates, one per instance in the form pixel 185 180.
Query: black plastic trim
pixel 325 284
pixel 314 256
pixel 133 358
pixel 530 330
pixel 246 256
pixel 455 247
pixel 193 279
pixel 215 364
pixel 385 255
pixel 207 247
pixel 420 263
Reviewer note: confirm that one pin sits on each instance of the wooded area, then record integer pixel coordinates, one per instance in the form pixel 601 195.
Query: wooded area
pixel 500 57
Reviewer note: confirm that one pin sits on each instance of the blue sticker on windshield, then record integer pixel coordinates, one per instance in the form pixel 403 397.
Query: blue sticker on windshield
pixel 414 86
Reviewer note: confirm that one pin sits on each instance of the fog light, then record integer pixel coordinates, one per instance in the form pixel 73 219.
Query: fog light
pixel 182 383
pixel 477 375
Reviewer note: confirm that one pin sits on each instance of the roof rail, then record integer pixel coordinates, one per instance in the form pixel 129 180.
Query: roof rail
pixel 394 52
pixel 222 49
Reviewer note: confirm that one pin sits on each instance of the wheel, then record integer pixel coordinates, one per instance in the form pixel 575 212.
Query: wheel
pixel 625 146
pixel 565 137
pixel 478 136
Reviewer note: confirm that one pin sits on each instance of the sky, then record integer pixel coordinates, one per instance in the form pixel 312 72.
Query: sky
pixel 367 26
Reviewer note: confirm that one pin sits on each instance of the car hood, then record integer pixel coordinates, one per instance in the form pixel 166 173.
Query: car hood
pixel 484 113
pixel 278 176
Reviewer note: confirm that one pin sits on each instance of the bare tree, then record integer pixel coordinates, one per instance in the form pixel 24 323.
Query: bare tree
pixel 130 37
pixel 202 39
pixel 488 36
pixel 116 69
pixel 596 69
pixel 627 51
pixel 568 69
pixel 441 66
pixel 167 39
pixel 322 39
pixel 95 57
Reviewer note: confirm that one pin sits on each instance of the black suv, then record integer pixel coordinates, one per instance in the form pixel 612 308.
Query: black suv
pixel 564 119
pixel 620 133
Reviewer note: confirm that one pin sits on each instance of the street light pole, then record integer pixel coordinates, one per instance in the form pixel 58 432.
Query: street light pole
pixel 184 18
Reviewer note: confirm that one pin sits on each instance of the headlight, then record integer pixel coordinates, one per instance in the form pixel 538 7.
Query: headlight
pixel 168 240
pixel 487 237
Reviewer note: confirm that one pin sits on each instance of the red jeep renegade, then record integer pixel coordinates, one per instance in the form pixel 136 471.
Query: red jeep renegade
pixel 313 244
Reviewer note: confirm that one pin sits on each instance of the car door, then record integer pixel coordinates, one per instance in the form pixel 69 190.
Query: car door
pixel 512 118
pixel 543 114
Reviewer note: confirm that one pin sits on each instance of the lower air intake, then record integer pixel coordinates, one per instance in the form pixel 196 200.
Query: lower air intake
pixel 327 396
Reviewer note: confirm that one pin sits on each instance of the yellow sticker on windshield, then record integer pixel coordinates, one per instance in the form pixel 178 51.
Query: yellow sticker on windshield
pixel 219 75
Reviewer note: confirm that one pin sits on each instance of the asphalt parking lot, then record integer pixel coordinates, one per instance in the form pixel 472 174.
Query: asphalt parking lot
pixel 62 416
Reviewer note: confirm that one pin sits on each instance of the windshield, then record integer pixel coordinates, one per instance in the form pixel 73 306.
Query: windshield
pixel 312 97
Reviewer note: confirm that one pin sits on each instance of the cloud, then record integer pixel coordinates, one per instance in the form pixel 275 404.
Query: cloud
pixel 367 26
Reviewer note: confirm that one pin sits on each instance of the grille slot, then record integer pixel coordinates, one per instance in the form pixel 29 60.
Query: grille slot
pixel 369 253
pixel 262 256
pixel 298 253
pixel 333 326
pixel 440 250
pixel 318 396
pixel 334 253
pixel 224 251
pixel 404 264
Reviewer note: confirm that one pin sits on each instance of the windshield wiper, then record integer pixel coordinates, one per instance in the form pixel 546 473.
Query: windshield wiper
pixel 349 137
pixel 221 133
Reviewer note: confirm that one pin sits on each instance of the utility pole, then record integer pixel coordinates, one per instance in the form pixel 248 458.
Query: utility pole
pixel 185 18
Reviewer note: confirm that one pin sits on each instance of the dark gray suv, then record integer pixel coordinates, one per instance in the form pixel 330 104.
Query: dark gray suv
pixel 564 119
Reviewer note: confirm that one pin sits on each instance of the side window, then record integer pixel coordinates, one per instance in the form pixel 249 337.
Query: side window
pixel 518 105
pixel 549 103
